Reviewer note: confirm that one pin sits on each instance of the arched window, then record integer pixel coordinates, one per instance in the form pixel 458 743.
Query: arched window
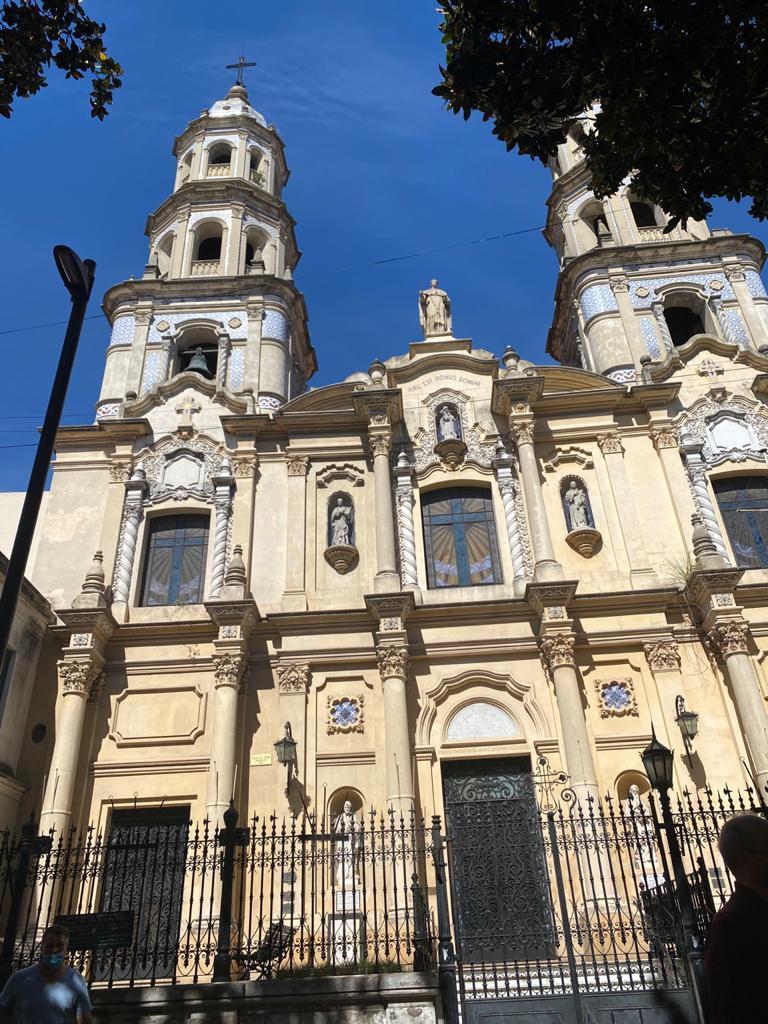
pixel 164 250
pixel 743 502
pixel 185 170
pixel 219 158
pixel 683 322
pixel 643 213
pixel 255 168
pixel 460 538
pixel 593 216
pixel 255 243
pixel 174 571
pixel 207 251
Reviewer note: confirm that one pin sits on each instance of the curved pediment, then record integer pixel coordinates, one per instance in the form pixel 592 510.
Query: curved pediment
pixel 188 379
pixel 558 379
pixel 698 345
pixel 331 398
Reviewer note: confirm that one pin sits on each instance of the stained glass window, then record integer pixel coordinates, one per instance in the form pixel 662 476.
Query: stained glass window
pixel 460 538
pixel 175 566
pixel 743 502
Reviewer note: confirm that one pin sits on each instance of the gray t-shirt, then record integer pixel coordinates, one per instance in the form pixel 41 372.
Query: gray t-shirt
pixel 30 999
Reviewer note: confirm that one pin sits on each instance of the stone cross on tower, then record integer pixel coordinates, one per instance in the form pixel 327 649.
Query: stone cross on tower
pixel 242 63
pixel 186 409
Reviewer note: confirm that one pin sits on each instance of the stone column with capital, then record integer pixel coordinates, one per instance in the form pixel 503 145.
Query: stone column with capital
pixel 387 578
pixel 665 442
pixel 222 362
pixel 729 638
pixel 620 288
pixel 393 659
pixel 710 587
pixel 80 675
pixel 235 615
pixel 557 651
pixel 657 308
pixel 508 489
pixel 295 596
pixel 235 246
pixel 546 566
pixel 752 321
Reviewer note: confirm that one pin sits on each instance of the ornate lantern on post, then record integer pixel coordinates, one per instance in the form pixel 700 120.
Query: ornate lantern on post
pixel 285 748
pixel 688 723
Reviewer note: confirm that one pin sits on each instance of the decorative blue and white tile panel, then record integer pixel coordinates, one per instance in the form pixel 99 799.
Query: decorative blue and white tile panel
pixel 123 330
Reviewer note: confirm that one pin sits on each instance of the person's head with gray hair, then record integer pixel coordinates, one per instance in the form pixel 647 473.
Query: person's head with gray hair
pixel 743 844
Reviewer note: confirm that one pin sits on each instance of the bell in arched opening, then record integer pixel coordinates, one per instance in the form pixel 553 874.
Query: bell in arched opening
pixel 198 363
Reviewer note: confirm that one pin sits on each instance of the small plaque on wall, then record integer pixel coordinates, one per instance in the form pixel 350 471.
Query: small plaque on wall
pixel 260 759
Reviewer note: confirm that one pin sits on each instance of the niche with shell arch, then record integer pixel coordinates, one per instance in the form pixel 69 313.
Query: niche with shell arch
pixel 581 534
pixel 341 552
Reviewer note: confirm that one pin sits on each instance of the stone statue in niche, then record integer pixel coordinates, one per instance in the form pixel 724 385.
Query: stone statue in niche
pixel 577 506
pixel 642 840
pixel 347 849
pixel 341 552
pixel 434 311
pixel 341 522
pixel 448 424
pixel 582 535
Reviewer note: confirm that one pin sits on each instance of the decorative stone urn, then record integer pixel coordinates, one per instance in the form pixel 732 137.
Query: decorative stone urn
pixel 585 541
pixel 341 557
pixel 451 451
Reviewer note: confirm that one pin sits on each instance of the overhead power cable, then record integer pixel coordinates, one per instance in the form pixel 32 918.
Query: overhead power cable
pixel 333 270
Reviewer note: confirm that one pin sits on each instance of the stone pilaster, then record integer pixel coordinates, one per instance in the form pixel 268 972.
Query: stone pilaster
pixel 635 542
pixel 295 596
pixel 546 566
pixel 737 278
pixel 393 658
pixel 294 680
pixel 665 442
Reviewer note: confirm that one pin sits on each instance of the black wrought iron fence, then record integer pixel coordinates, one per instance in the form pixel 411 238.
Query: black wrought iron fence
pixel 603 913
pixel 146 905
pixel 594 907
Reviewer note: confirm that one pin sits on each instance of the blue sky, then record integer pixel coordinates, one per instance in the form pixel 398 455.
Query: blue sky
pixel 379 170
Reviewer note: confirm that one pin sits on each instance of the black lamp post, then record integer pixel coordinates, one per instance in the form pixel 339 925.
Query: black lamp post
pixel 657 762
pixel 285 748
pixel 77 276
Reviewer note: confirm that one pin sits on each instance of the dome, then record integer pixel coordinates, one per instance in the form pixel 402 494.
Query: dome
pixel 236 104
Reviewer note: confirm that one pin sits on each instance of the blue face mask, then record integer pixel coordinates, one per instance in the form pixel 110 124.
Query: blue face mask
pixel 53 960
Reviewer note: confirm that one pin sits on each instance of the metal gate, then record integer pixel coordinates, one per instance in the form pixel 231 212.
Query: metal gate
pixel 562 913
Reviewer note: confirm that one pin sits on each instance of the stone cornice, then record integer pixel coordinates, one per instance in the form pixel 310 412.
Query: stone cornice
pixel 30 595
pixel 226 191
pixel 101 435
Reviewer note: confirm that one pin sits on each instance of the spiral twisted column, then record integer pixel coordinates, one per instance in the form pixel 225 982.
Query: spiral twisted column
pixel 406 533
pixel 133 513
pixel 657 308
pixel 546 565
pixel 697 474
pixel 507 489
pixel 224 484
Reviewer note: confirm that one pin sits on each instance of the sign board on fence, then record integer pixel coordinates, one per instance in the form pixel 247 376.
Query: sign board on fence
pixel 113 929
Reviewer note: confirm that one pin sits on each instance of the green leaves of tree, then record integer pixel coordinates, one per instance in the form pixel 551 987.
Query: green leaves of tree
pixel 35 34
pixel 682 89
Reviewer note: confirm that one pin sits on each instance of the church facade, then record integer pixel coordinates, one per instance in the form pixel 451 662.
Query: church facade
pixel 438 571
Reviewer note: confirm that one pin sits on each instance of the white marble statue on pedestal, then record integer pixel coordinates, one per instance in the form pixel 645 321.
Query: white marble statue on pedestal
pixel 347 850
pixel 341 521
pixel 577 503
pixel 434 311
pixel 447 426
pixel 643 841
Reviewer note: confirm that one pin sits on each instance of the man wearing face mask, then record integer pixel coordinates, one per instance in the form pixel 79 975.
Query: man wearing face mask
pixel 737 950
pixel 49 992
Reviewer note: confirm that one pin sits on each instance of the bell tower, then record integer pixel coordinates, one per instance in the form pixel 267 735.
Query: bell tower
pixel 217 297
pixel 629 293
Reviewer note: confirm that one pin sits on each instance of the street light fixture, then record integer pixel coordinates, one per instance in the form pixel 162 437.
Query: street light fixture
pixel 688 723
pixel 285 748
pixel 657 762
pixel 77 276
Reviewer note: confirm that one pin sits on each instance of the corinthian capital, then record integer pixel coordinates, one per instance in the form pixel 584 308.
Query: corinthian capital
pixel 228 669
pixel 297 465
pixel 381 444
pixel 730 637
pixel 610 443
pixel 393 660
pixel 521 431
pixel 77 676
pixel 293 678
pixel 557 650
